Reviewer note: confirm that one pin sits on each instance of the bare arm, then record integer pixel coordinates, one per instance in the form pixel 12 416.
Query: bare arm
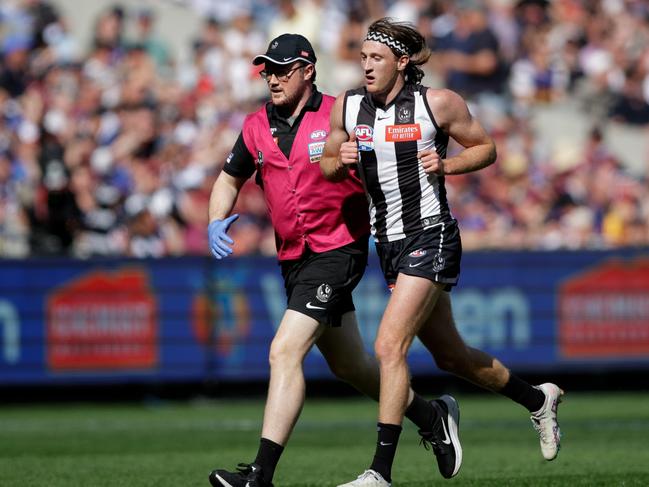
pixel 340 150
pixel 452 116
pixel 224 195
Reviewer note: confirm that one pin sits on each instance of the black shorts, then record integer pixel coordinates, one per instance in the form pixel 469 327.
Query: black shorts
pixel 320 285
pixel 434 253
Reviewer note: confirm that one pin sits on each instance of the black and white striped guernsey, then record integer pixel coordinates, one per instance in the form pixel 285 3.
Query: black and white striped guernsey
pixel 403 198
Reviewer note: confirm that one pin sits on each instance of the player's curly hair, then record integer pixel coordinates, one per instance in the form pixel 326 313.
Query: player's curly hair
pixel 406 35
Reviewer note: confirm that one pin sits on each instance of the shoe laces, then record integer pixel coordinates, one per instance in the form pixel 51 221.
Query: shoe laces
pixel 251 474
pixel 246 469
pixel 536 423
pixel 542 430
pixel 368 473
pixel 432 439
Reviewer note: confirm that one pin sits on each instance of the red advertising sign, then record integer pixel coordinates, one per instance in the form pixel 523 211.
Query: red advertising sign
pixel 103 320
pixel 604 312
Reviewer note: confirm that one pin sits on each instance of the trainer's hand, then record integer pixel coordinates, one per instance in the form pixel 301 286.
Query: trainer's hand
pixel 348 153
pixel 218 237
pixel 431 162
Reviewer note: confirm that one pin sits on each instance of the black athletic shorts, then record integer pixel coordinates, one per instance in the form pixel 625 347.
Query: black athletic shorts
pixel 320 285
pixel 434 253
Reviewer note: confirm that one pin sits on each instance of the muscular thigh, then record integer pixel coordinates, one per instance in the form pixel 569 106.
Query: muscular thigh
pixel 296 334
pixel 411 303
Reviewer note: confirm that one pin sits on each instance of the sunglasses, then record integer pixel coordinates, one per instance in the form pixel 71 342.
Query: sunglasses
pixel 282 76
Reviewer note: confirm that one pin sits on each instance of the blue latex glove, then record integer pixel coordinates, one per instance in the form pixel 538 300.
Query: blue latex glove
pixel 218 237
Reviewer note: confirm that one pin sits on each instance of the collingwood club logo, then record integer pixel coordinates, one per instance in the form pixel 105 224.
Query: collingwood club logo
pixel 324 293
pixel 404 114
pixel 438 263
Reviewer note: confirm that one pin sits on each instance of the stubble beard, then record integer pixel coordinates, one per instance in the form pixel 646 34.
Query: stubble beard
pixel 287 103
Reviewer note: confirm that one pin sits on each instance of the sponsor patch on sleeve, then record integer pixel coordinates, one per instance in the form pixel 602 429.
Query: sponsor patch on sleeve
pixel 403 133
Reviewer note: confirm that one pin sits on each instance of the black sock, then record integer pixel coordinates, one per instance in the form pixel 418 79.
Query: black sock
pixel 523 393
pixel 386 447
pixel 268 457
pixel 422 413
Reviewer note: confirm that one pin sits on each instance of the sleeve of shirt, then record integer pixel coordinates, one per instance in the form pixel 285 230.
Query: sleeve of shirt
pixel 240 163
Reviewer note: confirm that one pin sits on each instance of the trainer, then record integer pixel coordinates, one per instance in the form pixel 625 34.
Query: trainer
pixel 321 232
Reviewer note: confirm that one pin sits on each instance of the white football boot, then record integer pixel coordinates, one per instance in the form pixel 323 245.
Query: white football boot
pixel 369 478
pixel 545 421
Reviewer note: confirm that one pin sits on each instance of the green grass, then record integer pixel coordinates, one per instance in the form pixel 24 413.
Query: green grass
pixel 606 442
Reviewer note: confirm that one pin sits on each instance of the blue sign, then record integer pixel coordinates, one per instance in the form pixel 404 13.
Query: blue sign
pixel 193 319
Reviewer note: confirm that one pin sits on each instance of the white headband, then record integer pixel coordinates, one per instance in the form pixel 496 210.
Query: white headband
pixel 388 40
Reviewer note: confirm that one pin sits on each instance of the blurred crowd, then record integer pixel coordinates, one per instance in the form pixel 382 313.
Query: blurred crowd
pixel 111 148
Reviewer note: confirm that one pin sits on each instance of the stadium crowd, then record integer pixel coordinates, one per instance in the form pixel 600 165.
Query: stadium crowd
pixel 112 148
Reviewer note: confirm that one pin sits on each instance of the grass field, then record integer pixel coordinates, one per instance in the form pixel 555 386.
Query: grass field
pixel 606 442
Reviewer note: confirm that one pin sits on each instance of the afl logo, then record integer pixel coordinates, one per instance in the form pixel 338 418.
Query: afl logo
pixel 364 133
pixel 418 253
pixel 318 134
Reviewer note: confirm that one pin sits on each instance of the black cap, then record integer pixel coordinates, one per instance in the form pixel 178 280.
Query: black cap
pixel 287 49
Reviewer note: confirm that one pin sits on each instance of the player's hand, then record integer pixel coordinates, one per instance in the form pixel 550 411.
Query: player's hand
pixel 431 162
pixel 218 237
pixel 348 153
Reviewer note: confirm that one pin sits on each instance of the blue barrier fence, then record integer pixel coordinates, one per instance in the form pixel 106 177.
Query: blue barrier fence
pixel 192 319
